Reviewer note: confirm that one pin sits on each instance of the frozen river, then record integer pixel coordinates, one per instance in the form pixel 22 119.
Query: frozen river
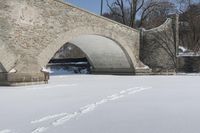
pixel 103 104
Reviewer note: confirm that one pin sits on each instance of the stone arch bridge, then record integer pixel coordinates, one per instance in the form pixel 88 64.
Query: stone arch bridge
pixel 32 31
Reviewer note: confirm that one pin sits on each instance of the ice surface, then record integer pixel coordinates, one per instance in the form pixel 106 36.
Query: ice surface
pixel 5 131
pixel 40 130
pixel 67 70
pixel 103 104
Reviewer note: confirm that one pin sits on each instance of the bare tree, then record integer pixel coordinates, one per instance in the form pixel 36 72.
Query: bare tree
pixel 167 42
pixel 136 6
pixel 155 14
pixel 189 26
pixel 117 8
pixel 126 9
pixel 130 12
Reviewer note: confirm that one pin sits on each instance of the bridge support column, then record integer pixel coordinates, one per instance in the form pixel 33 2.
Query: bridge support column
pixel 15 79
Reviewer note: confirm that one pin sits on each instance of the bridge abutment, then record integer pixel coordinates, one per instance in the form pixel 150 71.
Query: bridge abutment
pixel 15 79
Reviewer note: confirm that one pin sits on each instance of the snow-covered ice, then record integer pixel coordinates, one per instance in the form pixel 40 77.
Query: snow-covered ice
pixel 184 52
pixel 103 104
pixel 40 129
pixel 5 131
pixel 182 49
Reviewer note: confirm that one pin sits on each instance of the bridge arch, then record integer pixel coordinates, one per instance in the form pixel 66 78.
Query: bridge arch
pixel 119 51
pixel 104 54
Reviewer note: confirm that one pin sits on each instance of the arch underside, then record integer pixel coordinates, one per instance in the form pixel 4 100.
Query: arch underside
pixel 104 55
pixel 73 34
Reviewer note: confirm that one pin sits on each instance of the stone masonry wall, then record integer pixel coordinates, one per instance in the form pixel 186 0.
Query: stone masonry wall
pixel 158 46
pixel 31 31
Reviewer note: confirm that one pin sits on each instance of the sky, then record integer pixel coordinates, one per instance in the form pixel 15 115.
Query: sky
pixel 90 5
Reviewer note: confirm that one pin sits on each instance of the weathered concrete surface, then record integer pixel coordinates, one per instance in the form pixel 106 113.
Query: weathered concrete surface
pixel 159 45
pixel 69 51
pixel 31 31
pixel 21 78
pixel 104 54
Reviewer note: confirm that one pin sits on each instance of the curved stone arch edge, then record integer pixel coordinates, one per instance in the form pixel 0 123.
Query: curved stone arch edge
pixel 123 50
pixel 160 28
pixel 125 53
pixel 89 60
pixel 44 56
